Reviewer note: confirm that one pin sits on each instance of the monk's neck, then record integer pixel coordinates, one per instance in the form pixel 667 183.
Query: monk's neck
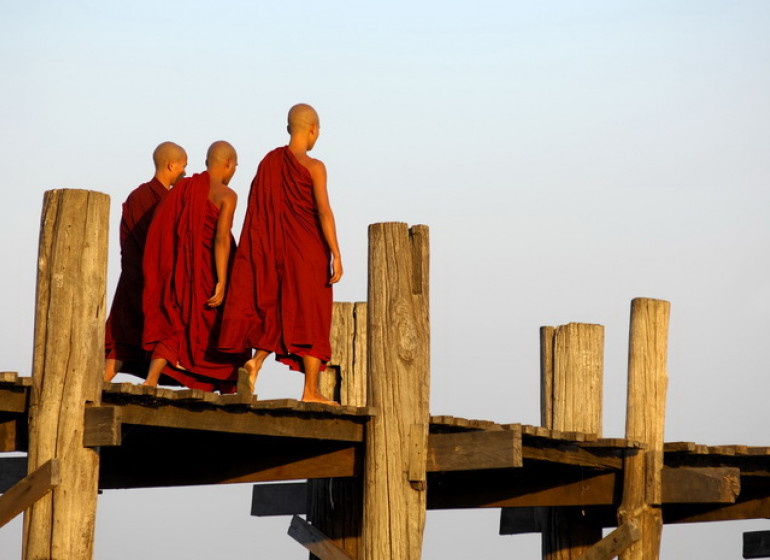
pixel 298 147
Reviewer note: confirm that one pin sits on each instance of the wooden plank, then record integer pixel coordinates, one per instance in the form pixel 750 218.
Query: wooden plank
pixel 29 490
pixel 615 543
pixel 282 498
pixel 474 451
pixel 315 541
pixel 101 426
pixel 701 485
pixel 67 366
pixel 399 382
pixel 546 375
pixel 246 422
pixel 8 376
pixel 645 417
pixel 756 544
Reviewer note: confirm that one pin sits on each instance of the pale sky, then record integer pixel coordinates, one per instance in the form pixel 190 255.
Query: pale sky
pixel 567 157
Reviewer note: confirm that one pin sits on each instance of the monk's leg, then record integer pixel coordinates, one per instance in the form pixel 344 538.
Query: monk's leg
pixel 111 368
pixel 312 393
pixel 156 368
pixel 246 382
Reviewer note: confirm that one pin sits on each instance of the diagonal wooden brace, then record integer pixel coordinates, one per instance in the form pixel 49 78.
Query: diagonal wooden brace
pixel 615 543
pixel 315 541
pixel 29 490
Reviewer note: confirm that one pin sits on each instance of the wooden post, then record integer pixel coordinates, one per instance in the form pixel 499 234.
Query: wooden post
pixel 67 370
pixel 645 418
pixel 572 361
pixel 334 505
pixel 399 381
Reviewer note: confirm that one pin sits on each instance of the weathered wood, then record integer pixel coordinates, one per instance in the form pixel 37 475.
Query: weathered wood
pixel 281 498
pixel 334 505
pixel 315 541
pixel 546 376
pixel 399 378
pixel 479 450
pixel 756 544
pixel 577 362
pixel 29 490
pixel 614 543
pixel 647 380
pixel 68 360
pixel 246 421
pixel 102 426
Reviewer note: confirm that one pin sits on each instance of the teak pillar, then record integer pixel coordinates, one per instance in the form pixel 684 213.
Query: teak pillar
pixel 645 419
pixel 571 368
pixel 67 370
pixel 398 380
pixel 334 505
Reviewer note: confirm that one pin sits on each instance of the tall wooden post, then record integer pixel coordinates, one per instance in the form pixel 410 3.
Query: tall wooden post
pixel 571 366
pixel 67 370
pixel 334 505
pixel 645 419
pixel 399 381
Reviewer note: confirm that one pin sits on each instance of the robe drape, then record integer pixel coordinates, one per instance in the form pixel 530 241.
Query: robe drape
pixel 180 276
pixel 123 332
pixel 280 299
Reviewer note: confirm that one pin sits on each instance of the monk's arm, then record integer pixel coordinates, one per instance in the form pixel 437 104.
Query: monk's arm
pixel 222 246
pixel 326 217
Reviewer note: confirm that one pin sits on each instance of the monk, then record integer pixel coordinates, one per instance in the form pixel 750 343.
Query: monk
pixel 280 298
pixel 186 266
pixel 123 333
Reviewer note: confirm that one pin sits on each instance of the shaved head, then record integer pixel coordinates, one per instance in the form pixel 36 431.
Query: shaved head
pixel 219 152
pixel 301 117
pixel 167 152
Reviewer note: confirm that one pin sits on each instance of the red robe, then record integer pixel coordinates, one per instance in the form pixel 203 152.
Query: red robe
pixel 180 276
pixel 280 299
pixel 123 332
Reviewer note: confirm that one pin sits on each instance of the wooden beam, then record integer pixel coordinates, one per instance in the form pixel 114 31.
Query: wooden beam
pixel 645 418
pixel 29 490
pixel 756 544
pixel 398 352
pixel 474 450
pixel 67 365
pixel 101 426
pixel 246 421
pixel 615 543
pixel 315 541
pixel 700 485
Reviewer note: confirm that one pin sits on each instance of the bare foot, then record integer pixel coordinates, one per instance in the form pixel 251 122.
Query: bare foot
pixel 319 398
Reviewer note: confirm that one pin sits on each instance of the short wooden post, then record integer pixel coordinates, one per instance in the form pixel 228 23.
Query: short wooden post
pixel 399 381
pixel 645 419
pixel 67 370
pixel 571 366
pixel 334 505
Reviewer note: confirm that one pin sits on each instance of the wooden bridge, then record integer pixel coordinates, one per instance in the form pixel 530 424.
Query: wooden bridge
pixel 365 473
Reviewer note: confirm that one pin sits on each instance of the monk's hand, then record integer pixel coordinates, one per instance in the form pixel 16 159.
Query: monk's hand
pixel 218 297
pixel 336 271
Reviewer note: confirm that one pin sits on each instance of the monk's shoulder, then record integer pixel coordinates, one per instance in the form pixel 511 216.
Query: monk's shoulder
pixel 315 166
